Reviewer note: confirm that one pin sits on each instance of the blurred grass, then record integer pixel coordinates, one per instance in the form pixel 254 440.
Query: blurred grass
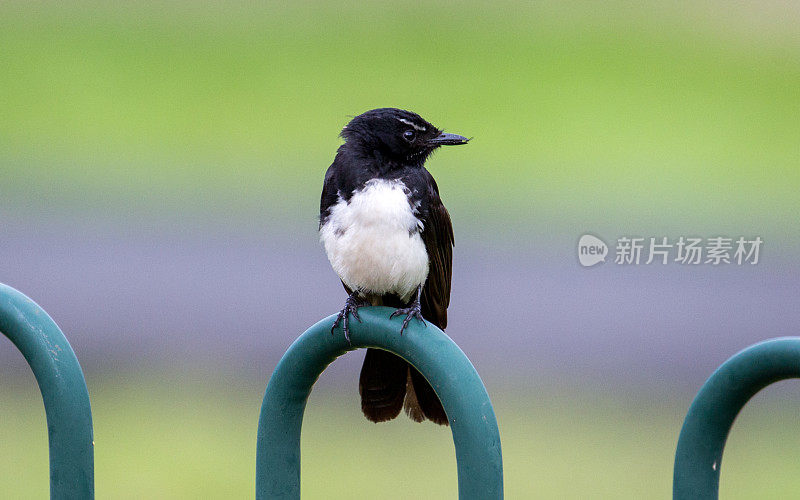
pixel 633 114
pixel 167 437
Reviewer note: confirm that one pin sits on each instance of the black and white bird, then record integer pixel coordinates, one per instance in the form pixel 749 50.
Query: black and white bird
pixel 389 238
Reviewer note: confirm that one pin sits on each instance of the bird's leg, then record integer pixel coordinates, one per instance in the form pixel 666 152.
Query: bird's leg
pixel 351 306
pixel 412 311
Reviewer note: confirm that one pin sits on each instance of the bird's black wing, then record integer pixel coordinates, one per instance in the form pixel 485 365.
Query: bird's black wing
pixel 437 234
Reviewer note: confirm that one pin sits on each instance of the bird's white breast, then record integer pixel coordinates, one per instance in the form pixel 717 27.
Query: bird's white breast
pixel 373 240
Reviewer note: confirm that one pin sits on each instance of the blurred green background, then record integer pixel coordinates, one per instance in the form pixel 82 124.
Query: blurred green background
pixel 630 117
pixel 674 113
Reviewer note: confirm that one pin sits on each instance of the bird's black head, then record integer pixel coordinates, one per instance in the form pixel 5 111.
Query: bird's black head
pixel 398 135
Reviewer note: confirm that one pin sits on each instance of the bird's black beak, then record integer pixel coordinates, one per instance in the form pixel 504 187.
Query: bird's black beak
pixel 448 140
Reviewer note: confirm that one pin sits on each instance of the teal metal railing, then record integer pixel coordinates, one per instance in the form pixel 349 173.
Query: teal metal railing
pixel 475 434
pixel 699 453
pixel 63 388
pixel 441 362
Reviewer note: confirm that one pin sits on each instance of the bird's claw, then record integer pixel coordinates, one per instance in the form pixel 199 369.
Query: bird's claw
pixel 351 306
pixel 415 311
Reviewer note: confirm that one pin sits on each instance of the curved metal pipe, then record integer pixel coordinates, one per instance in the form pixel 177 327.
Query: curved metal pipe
pixel 63 388
pixel 441 362
pixel 699 453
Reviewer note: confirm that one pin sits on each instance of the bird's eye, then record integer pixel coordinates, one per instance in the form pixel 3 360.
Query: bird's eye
pixel 409 135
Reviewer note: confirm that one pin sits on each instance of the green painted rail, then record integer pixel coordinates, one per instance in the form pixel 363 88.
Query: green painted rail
pixel 63 388
pixel 472 420
pixel 475 434
pixel 699 453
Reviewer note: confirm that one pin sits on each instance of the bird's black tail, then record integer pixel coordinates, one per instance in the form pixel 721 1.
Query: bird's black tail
pixel 388 383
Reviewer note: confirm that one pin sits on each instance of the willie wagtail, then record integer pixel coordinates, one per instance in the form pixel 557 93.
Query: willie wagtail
pixel 390 240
